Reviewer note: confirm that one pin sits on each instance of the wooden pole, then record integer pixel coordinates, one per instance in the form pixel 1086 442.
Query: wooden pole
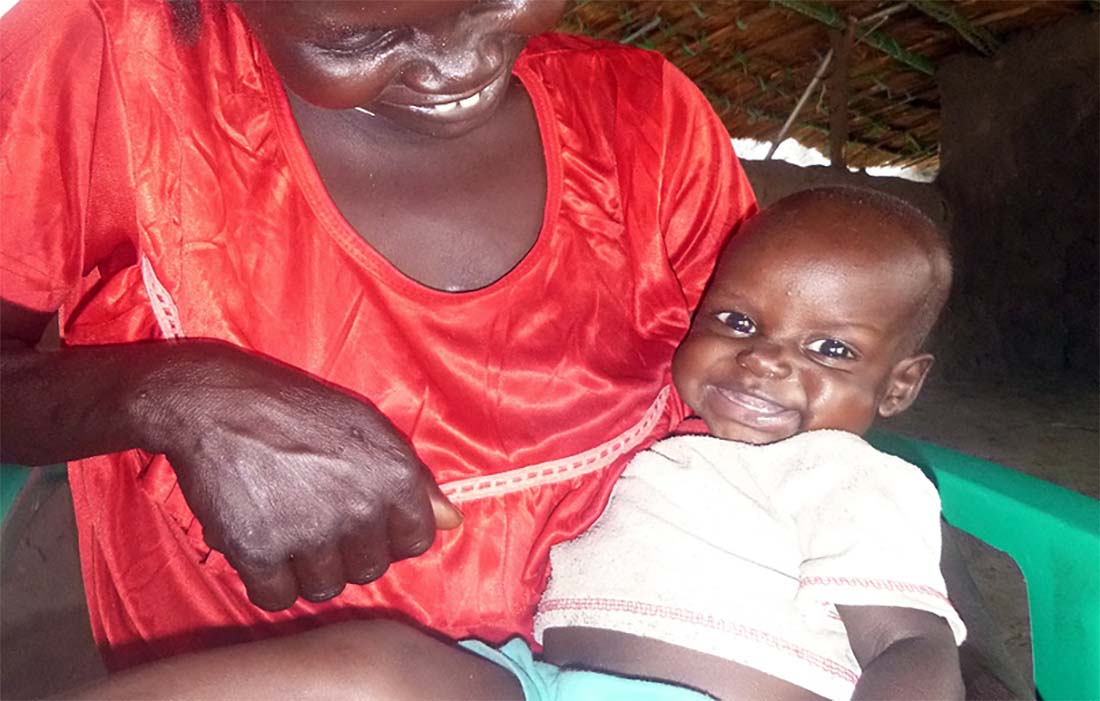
pixel 838 92
pixel 828 15
pixel 798 106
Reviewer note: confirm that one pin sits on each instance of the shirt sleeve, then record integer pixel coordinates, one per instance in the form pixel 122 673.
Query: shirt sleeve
pixel 869 530
pixel 704 192
pixel 60 130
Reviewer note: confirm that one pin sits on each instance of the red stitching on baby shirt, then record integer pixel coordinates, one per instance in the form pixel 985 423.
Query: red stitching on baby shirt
pixel 825 664
pixel 880 584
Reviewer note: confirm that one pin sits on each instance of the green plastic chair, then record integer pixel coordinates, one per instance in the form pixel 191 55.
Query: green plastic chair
pixel 12 478
pixel 1052 533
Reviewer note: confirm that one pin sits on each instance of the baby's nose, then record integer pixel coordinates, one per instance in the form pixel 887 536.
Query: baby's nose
pixel 764 359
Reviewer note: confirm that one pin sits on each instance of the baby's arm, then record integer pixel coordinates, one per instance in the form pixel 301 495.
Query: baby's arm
pixel 905 653
pixel 361 660
pixel 638 657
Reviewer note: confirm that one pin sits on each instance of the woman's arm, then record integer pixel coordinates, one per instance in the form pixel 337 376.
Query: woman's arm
pixel 303 487
pixel 362 660
pixel 905 653
pixel 60 406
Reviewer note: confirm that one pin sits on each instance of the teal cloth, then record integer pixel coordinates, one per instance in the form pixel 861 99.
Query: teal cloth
pixel 542 681
pixel 12 478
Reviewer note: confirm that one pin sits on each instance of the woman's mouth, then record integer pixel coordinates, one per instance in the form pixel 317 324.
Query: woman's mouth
pixel 447 107
pixel 441 110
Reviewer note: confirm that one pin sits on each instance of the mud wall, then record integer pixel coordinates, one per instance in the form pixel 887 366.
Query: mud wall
pixel 1020 169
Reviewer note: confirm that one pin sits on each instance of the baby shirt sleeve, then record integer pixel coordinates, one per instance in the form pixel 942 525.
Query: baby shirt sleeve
pixel 869 529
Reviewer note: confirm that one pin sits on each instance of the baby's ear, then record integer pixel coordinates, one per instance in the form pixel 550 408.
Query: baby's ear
pixel 904 384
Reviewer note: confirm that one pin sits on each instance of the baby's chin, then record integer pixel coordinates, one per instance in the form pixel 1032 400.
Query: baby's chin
pixel 744 434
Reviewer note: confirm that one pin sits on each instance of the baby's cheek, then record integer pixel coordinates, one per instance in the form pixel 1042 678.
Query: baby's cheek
pixel 843 407
pixel 690 364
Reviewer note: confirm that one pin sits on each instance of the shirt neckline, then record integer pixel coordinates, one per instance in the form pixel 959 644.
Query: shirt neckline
pixel 306 176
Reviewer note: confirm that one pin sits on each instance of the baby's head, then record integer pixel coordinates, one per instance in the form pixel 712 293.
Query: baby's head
pixel 816 317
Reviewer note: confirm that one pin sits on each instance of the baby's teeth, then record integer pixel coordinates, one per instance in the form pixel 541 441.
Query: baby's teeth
pixel 470 101
pixel 445 107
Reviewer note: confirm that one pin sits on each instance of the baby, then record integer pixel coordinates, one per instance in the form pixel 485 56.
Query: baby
pixel 778 557
pixel 781 554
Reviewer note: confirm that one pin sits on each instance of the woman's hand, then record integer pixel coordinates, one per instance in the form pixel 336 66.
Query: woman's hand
pixel 302 487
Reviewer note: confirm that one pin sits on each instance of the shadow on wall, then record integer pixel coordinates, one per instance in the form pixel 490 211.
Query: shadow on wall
pixel 1019 190
pixel 1020 165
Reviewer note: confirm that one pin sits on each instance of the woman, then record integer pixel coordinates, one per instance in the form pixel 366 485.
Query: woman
pixel 300 247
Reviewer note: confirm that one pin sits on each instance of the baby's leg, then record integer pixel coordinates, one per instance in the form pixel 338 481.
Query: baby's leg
pixel 360 659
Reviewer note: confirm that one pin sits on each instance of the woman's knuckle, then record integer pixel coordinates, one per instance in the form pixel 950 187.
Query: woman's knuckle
pixel 319 593
pixel 369 573
pixel 256 556
pixel 419 546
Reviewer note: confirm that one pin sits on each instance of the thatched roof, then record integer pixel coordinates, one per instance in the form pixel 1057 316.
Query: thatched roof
pixel 755 58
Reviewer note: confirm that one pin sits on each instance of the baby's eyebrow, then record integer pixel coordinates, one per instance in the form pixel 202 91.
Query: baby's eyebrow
pixel 835 325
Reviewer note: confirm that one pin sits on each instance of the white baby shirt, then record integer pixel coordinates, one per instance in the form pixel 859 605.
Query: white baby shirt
pixel 742 552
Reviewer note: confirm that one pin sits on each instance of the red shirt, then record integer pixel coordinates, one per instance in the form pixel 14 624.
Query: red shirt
pixel 156 189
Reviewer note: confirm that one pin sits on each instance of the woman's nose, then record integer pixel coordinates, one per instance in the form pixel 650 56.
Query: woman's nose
pixel 764 359
pixel 454 60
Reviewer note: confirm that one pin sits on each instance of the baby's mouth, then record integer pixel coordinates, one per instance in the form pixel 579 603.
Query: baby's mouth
pixel 751 409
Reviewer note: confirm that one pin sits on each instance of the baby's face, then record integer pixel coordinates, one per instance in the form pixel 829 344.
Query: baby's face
pixel 791 338
pixel 438 67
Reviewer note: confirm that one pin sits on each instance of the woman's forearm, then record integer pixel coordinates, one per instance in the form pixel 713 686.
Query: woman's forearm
pixel 74 403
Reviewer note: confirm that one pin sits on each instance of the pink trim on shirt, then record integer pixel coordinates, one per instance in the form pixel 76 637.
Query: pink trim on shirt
pixel 562 469
pixel 164 307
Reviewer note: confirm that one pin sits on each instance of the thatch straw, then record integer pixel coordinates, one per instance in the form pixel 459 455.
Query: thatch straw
pixel 754 59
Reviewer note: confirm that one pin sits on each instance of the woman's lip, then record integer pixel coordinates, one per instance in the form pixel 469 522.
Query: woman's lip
pixel 451 105
pixel 456 107
pixel 750 408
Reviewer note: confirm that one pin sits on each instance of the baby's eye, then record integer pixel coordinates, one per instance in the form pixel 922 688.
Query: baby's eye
pixel 832 348
pixel 738 322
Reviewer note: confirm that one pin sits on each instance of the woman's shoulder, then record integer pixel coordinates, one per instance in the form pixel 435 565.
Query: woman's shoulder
pixel 555 43
pixel 87 16
pixel 55 33
pixel 27 26
pixel 612 85
pixel 566 53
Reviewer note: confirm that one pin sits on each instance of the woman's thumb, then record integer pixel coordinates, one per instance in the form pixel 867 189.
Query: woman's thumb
pixel 447 515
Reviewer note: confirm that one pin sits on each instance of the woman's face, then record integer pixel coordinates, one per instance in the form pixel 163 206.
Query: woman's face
pixel 432 66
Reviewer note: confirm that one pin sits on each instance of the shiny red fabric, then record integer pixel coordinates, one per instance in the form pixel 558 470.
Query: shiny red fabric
pixel 121 144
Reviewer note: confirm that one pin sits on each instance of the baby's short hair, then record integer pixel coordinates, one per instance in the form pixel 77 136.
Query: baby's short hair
pixel 923 233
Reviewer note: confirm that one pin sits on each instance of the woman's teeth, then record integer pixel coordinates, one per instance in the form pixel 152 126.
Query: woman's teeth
pixel 464 103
